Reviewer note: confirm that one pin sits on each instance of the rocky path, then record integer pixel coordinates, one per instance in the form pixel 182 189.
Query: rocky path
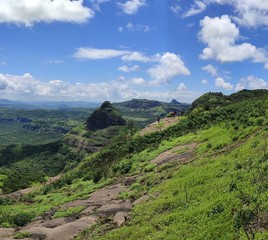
pixel 104 202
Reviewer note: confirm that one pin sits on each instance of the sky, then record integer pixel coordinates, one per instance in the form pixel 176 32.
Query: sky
pixel 117 50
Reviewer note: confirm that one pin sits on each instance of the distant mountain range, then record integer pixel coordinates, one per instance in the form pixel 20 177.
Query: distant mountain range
pixel 47 104
pixel 146 104
pixel 132 104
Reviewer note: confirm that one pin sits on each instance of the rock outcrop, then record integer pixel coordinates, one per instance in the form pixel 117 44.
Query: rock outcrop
pixel 105 116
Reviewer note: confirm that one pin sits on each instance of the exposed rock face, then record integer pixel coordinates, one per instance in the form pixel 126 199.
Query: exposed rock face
pixel 104 117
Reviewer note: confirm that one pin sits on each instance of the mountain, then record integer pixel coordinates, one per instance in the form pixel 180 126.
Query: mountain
pixel 143 111
pixel 143 104
pixel 200 176
pixel 104 117
pixel 174 101
pixel 138 104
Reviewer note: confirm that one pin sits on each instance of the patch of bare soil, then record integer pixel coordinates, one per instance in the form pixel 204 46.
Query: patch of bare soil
pixel 163 124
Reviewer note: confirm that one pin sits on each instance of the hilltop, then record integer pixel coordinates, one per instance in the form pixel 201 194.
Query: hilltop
pixel 105 116
pixel 199 176
pixel 144 112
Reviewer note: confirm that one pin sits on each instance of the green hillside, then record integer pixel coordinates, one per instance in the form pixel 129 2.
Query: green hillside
pixel 205 177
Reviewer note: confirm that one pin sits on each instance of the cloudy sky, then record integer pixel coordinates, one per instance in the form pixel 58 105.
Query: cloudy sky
pixel 95 50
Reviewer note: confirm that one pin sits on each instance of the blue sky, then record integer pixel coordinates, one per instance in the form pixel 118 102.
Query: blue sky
pixel 96 50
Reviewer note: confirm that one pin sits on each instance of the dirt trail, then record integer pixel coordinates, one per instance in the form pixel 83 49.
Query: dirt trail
pixel 163 124
pixel 104 202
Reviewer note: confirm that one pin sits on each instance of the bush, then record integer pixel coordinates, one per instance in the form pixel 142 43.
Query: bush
pixel 22 235
pixel 21 219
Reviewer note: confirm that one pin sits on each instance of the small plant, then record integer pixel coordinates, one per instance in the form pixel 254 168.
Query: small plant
pixel 150 167
pixel 22 235
pixel 68 212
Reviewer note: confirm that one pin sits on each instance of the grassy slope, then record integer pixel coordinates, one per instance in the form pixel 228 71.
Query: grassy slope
pixel 220 195
pixel 211 198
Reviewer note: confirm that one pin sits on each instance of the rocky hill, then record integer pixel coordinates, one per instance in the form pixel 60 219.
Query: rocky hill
pixel 104 117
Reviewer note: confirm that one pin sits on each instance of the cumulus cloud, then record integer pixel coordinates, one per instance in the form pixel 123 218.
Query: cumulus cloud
pixel 220 35
pixel 170 66
pixel 29 12
pixel 182 87
pixel 27 87
pixel 136 56
pixel 138 81
pixel 127 69
pixel 251 82
pixel 132 6
pixel 219 82
pixel 211 69
pixel 167 65
pixel 252 13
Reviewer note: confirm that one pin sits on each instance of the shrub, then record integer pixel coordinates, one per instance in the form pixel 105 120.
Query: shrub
pixel 22 235
pixel 21 219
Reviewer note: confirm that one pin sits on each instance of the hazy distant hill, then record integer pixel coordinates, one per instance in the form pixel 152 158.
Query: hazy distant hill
pixel 47 104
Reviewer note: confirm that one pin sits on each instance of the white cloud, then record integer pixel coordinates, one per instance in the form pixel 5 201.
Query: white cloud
pixel 182 87
pixel 126 68
pixel 204 81
pixel 97 4
pixel 251 13
pixel 29 12
pixel 138 81
pixel 27 87
pixel 136 56
pixel 211 69
pixel 196 8
pixel 220 35
pixel 170 66
pixel 219 82
pixel 251 82
pixel 175 9
pixel 134 28
pixel 132 6
pixel 94 53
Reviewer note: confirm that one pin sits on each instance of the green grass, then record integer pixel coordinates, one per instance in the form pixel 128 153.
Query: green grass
pixel 72 211
pixel 204 199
